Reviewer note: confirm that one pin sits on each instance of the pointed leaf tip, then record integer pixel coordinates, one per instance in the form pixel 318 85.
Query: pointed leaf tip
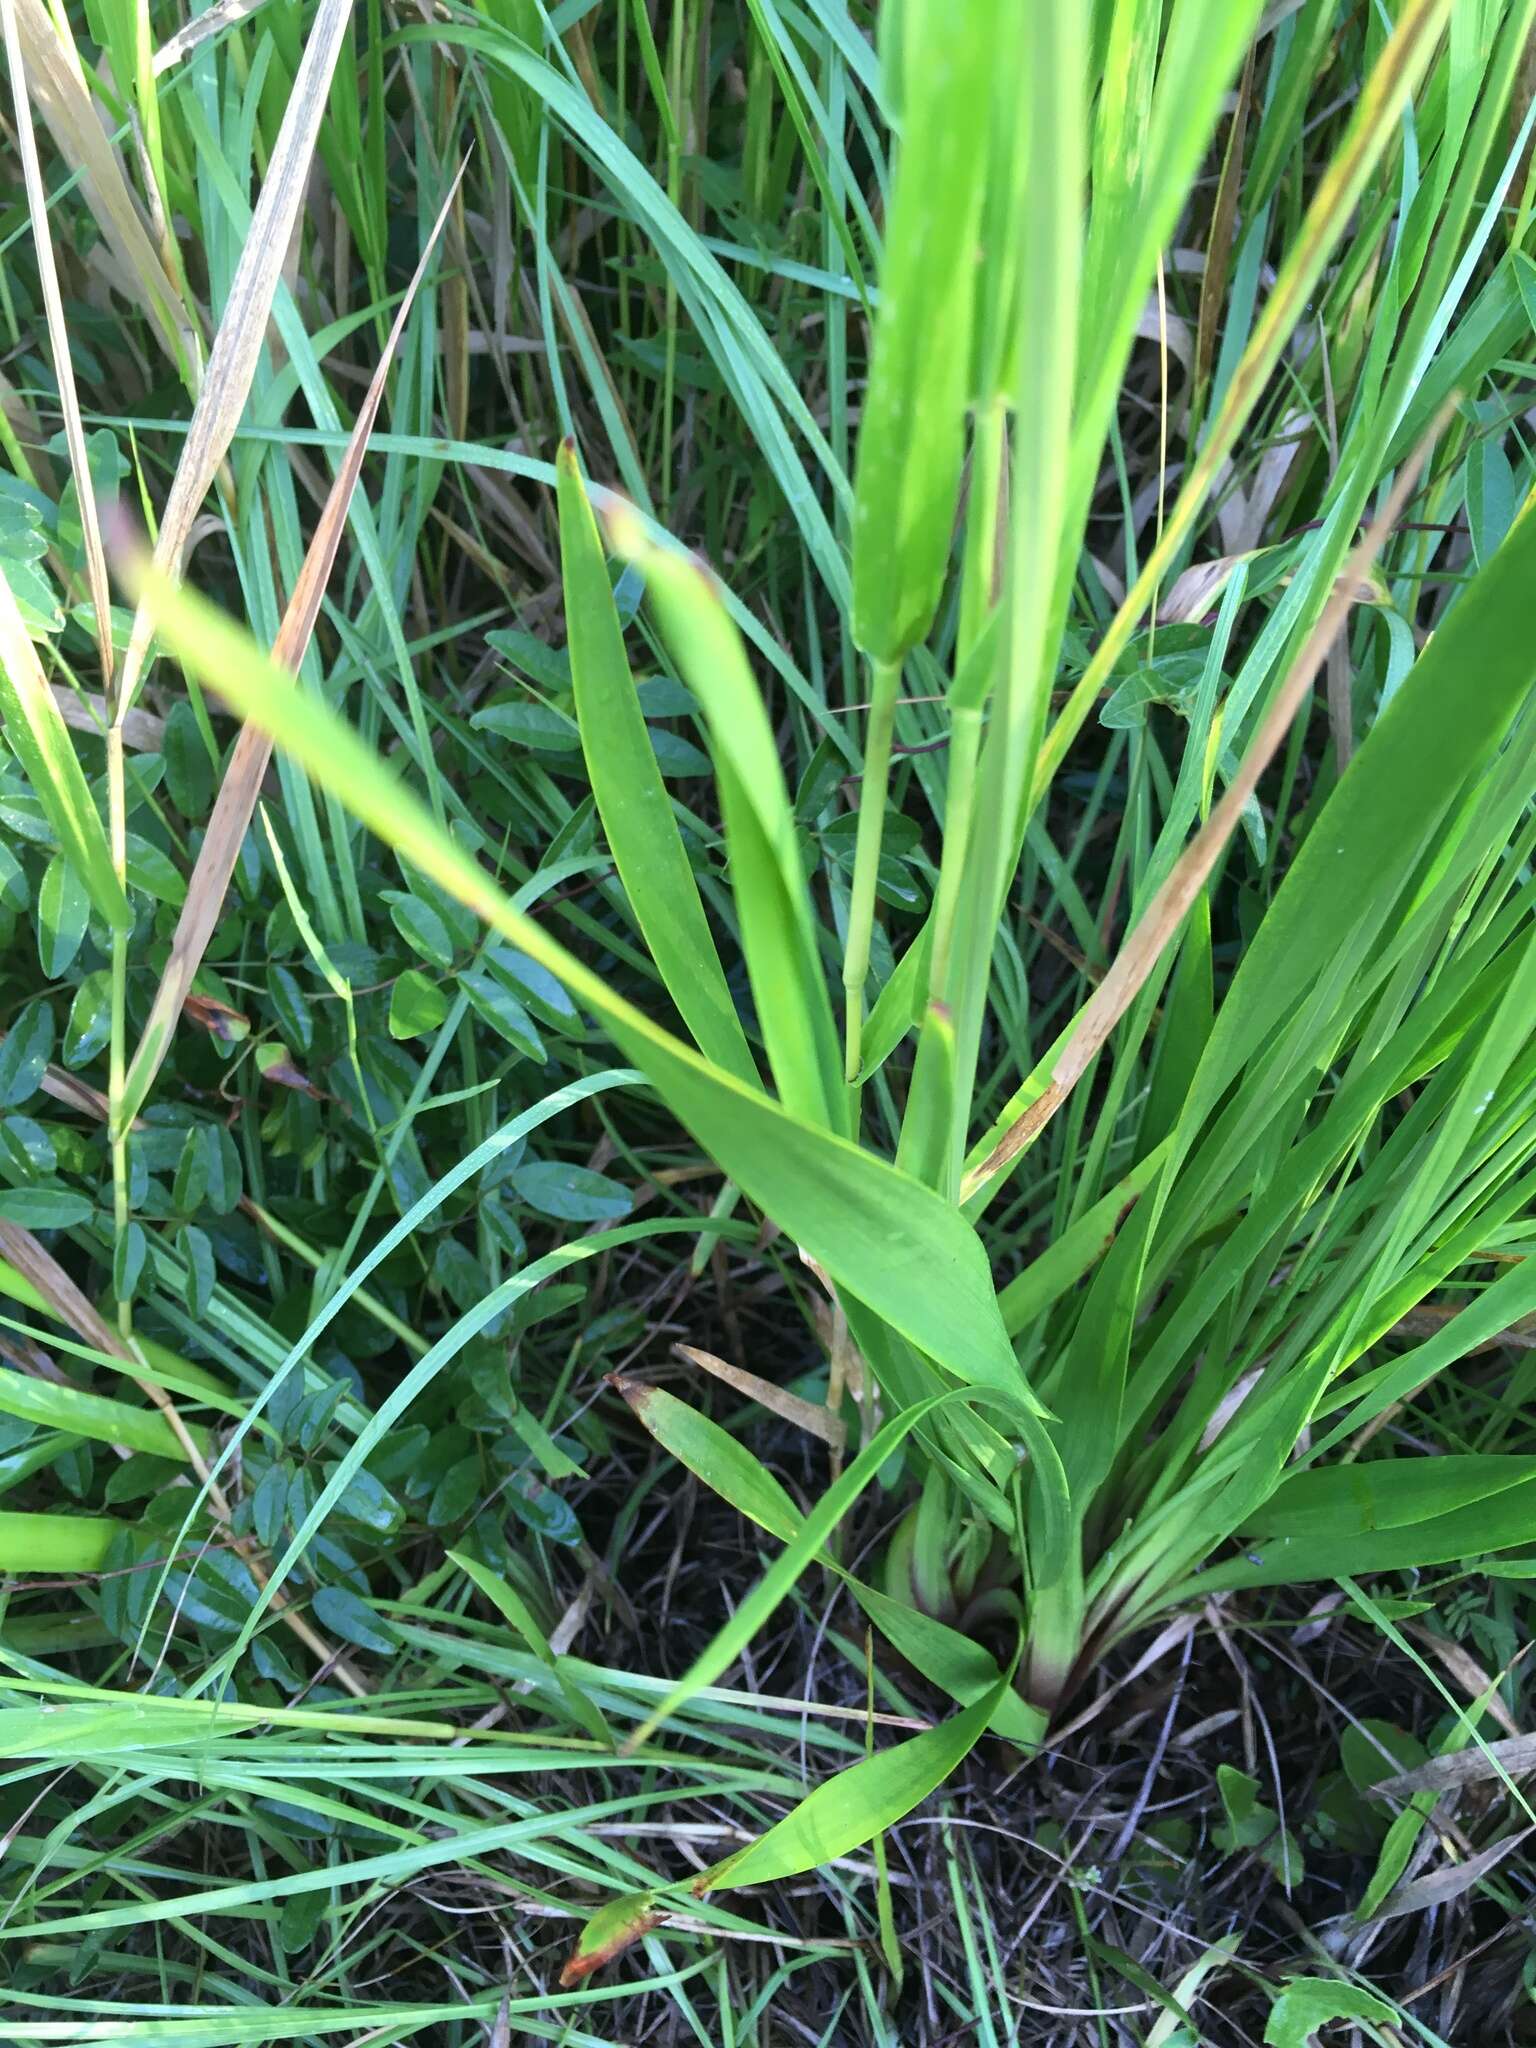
pixel 612 1929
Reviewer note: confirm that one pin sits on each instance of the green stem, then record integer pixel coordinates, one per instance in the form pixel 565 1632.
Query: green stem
pixel 979 575
pixel 978 598
pixel 119 1120
pixel 885 678
pixel 959 805
pixel 1055 1641
pixel 675 195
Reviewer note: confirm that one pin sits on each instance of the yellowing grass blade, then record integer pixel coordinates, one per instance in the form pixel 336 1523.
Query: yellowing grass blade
pixel 55 1543
pixel 237 345
pixel 38 736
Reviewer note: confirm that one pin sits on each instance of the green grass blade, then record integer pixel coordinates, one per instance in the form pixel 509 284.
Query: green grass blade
pixel 35 730
pixel 955 1663
pixel 912 430
pixel 1452 712
pixel 778 931
pixel 859 1803
pixel 631 796
pixel 55 1543
pixel 57 1405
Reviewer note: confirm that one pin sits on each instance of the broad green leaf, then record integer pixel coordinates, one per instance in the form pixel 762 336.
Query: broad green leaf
pixel 189 772
pixel 416 1005
pixel 24 1055
pixel 35 729
pixel 859 1803
pixel 912 428
pixel 44 1208
pixel 90 1018
pixel 62 910
pixel 189 1189
pixel 1251 1825
pixel 1308 2004
pixel 778 931
pixel 492 1000
pixel 420 927
pixel 631 798
pixel 574 1194
pixel 54 1543
pixel 153 871
pixel 536 726
pixel 353 1619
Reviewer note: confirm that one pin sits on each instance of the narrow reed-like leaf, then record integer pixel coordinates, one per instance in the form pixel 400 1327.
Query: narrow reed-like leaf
pixel 778 930
pixel 235 805
pixel 37 734
pixel 242 327
pixel 1166 912
pixel 631 796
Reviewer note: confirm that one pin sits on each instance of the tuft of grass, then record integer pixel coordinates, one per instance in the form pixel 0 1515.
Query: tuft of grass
pixel 946 585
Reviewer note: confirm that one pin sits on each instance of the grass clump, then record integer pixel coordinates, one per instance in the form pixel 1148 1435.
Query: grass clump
pixel 958 800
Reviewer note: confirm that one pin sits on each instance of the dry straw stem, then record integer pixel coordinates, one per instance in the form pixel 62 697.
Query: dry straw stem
pixel 1171 903
pixel 235 804
pixel 242 330
pixel 223 14
pixel 58 336
pixel 54 82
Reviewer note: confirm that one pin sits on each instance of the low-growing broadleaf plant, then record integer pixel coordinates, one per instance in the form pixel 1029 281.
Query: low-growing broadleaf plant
pixel 1179 1394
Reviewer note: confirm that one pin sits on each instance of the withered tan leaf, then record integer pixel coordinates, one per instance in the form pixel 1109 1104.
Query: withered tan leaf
pixel 1171 903
pixel 1419 1894
pixel 235 804
pixel 55 84
pixel 243 326
pixel 810 1416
